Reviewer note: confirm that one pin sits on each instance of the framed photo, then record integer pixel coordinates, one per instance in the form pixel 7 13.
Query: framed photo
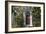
pixel 24 16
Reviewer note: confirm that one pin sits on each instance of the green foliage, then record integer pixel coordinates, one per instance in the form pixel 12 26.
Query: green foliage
pixel 19 20
pixel 36 16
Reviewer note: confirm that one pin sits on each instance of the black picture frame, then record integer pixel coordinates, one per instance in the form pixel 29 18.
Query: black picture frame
pixel 6 16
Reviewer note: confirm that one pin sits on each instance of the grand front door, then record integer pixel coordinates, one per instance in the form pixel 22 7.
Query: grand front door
pixel 27 18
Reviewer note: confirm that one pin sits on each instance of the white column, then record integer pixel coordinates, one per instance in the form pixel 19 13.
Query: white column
pixel 24 18
pixel 31 20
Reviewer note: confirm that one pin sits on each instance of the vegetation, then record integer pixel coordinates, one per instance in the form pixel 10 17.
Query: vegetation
pixel 19 20
pixel 36 16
